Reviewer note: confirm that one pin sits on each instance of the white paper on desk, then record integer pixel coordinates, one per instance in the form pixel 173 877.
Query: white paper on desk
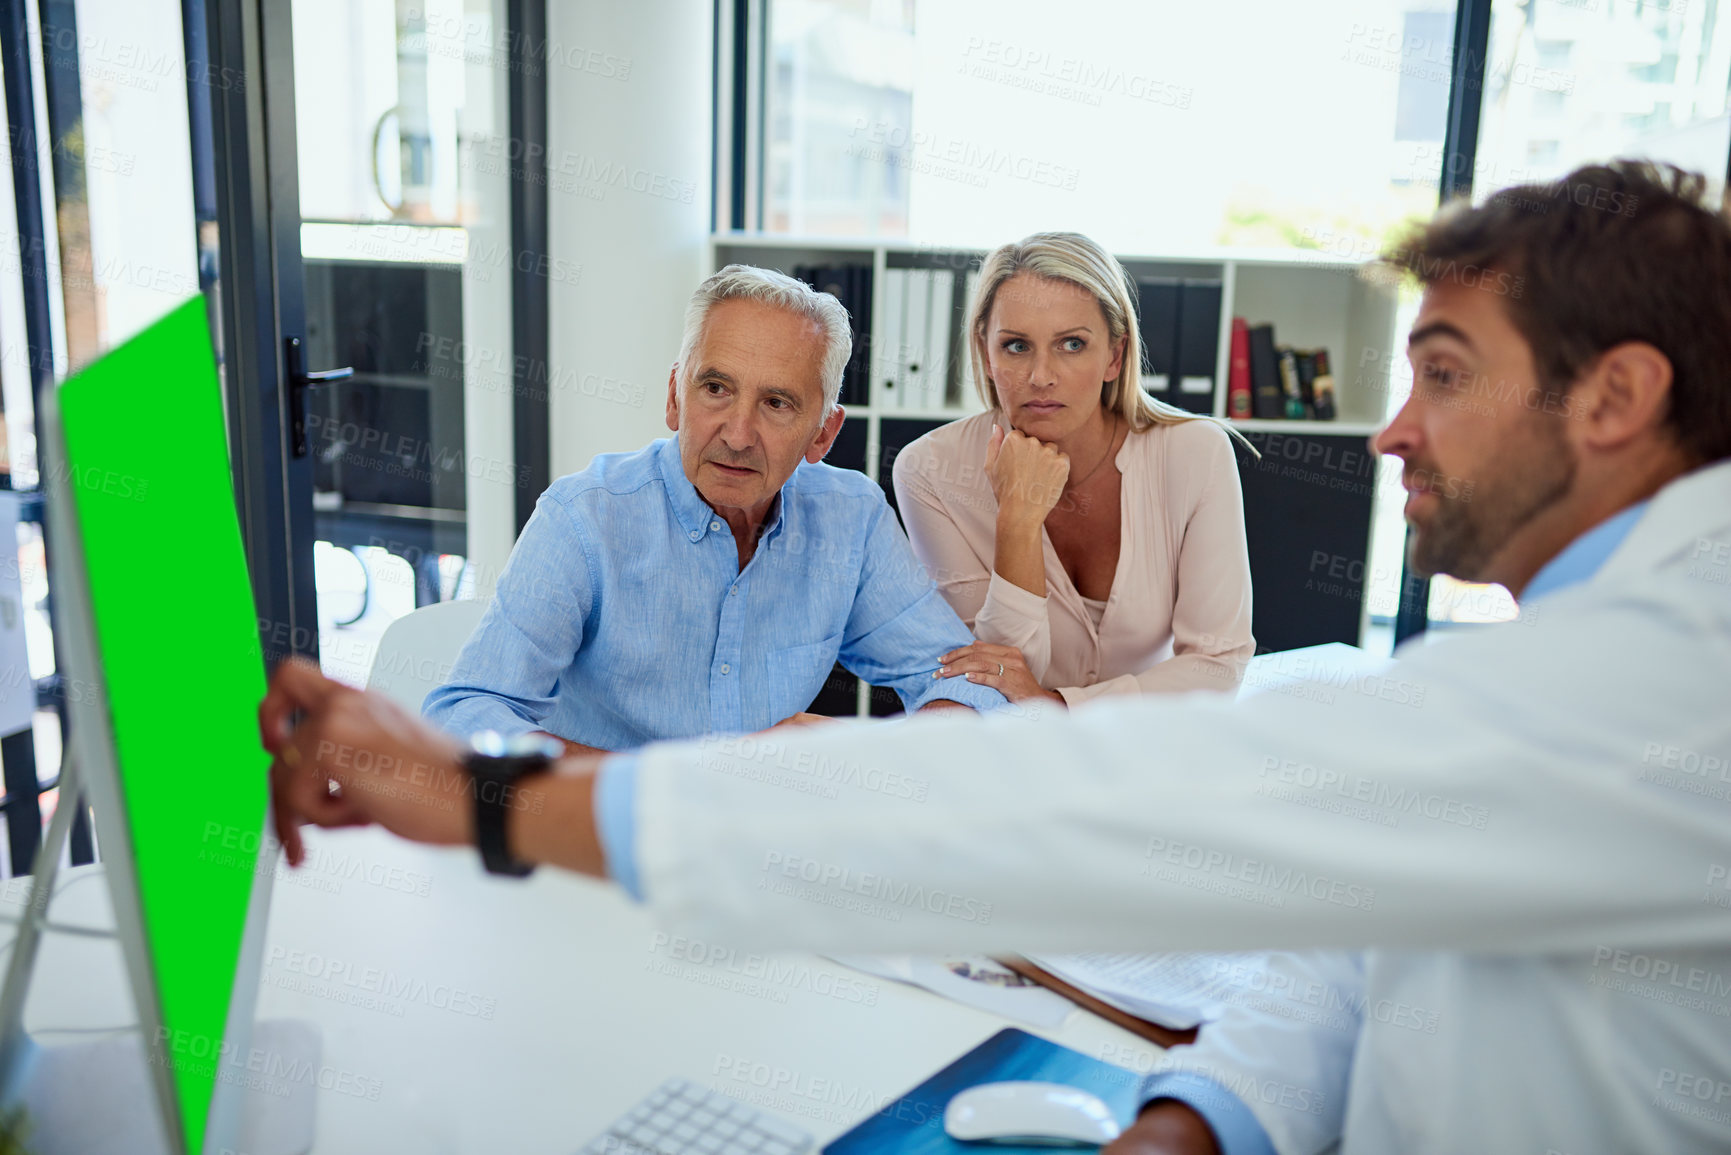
pixel 1335 664
pixel 1175 990
pixel 1002 993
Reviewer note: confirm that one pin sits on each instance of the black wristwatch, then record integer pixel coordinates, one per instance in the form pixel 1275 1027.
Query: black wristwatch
pixel 496 764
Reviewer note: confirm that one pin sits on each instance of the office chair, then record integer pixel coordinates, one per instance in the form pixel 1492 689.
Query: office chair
pixel 417 651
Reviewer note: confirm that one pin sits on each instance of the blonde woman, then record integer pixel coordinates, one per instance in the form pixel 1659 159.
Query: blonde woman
pixel 1091 537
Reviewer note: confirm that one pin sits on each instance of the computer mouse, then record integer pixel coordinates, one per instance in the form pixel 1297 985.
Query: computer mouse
pixel 1024 1112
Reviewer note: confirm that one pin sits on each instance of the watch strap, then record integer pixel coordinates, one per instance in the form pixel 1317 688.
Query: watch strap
pixel 494 785
pixel 496 766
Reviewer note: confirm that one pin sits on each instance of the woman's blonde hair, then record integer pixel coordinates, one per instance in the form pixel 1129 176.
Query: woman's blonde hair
pixel 1080 261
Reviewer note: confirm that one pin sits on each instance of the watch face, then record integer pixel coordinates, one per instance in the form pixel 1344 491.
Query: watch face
pixel 492 744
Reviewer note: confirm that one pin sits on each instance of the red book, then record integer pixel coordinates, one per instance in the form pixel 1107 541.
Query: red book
pixel 1238 375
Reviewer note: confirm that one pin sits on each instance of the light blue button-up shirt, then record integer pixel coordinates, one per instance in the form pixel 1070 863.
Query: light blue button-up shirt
pixel 623 616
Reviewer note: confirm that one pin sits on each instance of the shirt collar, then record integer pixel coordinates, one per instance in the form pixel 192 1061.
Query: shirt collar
pixel 1582 557
pixel 694 515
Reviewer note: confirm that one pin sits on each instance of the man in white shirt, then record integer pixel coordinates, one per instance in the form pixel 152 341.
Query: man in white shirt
pixel 1537 861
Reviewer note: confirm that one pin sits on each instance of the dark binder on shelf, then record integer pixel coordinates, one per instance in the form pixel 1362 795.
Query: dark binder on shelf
pixel 1267 401
pixel 1157 300
pixel 851 285
pixel 1198 345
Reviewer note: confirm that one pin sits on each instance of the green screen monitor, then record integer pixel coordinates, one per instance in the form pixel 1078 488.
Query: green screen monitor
pixel 160 638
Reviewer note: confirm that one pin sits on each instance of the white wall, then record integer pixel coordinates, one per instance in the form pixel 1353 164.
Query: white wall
pixel 630 90
pixel 487 432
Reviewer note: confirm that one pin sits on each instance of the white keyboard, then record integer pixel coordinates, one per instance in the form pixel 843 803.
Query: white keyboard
pixel 683 1118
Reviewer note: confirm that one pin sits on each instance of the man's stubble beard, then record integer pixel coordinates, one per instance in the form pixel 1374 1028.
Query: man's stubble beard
pixel 1463 534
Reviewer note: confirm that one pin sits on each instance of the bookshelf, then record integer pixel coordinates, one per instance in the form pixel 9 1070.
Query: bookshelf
pixel 1309 496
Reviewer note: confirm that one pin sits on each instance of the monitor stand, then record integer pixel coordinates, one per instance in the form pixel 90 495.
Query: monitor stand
pixel 100 1097
pixel 90 1098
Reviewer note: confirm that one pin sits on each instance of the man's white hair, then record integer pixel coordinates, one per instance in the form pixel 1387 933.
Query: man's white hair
pixel 749 282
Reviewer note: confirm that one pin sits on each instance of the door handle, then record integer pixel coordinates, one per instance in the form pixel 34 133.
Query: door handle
pixel 299 381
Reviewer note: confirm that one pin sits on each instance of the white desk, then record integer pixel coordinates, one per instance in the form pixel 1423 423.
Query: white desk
pixel 568 1008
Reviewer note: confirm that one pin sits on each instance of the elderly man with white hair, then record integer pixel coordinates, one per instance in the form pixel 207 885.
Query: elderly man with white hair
pixel 709 582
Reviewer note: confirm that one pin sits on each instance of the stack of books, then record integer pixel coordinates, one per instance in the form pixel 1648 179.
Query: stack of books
pixel 1269 381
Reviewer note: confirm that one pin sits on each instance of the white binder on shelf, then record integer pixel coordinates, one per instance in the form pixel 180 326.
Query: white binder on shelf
pixel 916 317
pixel 941 319
pixel 969 292
pixel 888 363
pixel 966 399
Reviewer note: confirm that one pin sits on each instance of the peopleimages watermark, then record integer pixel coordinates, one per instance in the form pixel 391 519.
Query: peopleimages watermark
pixel 1685 1093
pixel 1252 879
pixel 1315 461
pixel 1661 980
pixel 771 760
pixel 456 36
pixel 760 975
pixel 568 171
pixel 322 869
pixel 1432 58
pixel 92 478
pixel 1239 1085
pixel 130 64
pixel 436 785
pixel 1691 771
pixel 791 1092
pixel 863 891
pixel 370 987
pixel 1272 990
pixel 952 157
pixel 1305 676
pixel 1072 78
pixel 258 1069
pixel 1361 796
pixel 1477 394
pixel 1352 577
pixel 1711 561
pixel 362 446
pixel 1717 891
pixel 528 376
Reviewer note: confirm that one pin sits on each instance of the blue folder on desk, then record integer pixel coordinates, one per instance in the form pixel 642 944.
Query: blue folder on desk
pixel 914 1123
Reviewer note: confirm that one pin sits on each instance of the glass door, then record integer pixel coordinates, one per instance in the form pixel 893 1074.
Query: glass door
pixel 404 238
pixel 100 216
pixel 334 177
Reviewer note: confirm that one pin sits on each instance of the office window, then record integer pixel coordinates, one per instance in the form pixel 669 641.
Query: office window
pixel 839 98
pixel 1423 98
pixel 1158 128
pixel 1568 84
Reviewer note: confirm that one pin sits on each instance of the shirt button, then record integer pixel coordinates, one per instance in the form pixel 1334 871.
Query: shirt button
pixel 715 527
pixel 695 534
pixel 731 590
pixel 725 667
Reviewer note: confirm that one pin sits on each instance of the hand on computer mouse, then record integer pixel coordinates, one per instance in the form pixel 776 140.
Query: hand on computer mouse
pixel 388 767
pixel 1167 1127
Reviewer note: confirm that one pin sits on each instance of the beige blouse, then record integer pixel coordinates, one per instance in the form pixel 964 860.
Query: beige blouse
pixel 1178 616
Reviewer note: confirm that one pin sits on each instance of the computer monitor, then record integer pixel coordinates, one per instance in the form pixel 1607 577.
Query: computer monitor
pixel 146 552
